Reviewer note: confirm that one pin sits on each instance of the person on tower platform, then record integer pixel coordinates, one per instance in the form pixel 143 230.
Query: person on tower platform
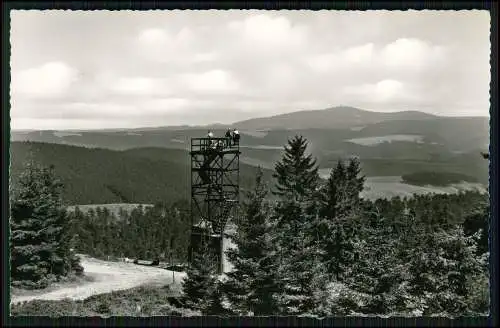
pixel 228 137
pixel 236 136
pixel 211 143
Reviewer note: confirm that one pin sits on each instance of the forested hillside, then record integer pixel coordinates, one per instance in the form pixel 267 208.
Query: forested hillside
pixel 99 176
pixel 149 175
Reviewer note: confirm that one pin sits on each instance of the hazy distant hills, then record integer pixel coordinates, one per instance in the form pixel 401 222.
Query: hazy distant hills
pixel 324 128
pixel 336 117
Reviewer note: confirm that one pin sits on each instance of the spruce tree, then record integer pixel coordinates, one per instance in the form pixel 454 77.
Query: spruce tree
pixel 334 191
pixel 302 274
pixel 296 174
pixel 39 228
pixel 441 268
pixel 377 273
pixel 301 270
pixel 201 287
pixel 340 204
pixel 252 285
pixel 341 195
pixel 355 183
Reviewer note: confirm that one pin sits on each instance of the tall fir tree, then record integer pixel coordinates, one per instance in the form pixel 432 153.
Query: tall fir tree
pixel 39 227
pixel 301 269
pixel 355 182
pixel 297 187
pixel 334 191
pixel 302 274
pixel 341 195
pixel 252 285
pixel 296 174
pixel 201 288
pixel 340 205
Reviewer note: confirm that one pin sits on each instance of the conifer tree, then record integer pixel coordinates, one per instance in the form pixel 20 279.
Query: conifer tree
pixel 296 174
pixel 301 270
pixel 341 193
pixel 377 273
pixel 355 183
pixel 252 284
pixel 340 204
pixel 201 288
pixel 440 268
pixel 302 274
pixel 39 228
pixel 334 191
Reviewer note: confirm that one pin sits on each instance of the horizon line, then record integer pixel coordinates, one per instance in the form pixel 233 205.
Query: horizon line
pixel 252 118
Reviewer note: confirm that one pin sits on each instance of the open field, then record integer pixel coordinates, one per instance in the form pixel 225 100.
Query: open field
pixel 392 186
pixel 370 141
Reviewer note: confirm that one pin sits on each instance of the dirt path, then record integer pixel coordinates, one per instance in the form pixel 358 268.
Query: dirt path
pixel 103 277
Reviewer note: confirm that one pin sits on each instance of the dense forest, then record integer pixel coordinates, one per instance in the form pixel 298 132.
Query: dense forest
pixel 158 232
pixel 423 178
pixel 101 176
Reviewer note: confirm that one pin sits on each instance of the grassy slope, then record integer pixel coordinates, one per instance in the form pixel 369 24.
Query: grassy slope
pixel 139 301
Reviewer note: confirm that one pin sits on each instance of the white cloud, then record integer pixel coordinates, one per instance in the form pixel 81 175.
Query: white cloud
pixel 360 55
pixel 269 30
pixel 140 86
pixel 213 81
pixel 381 91
pixel 266 34
pixel 323 62
pixel 205 57
pixel 153 36
pixel 411 53
pixel 49 80
pixel 164 46
pixel 401 54
pixel 357 57
pixel 165 105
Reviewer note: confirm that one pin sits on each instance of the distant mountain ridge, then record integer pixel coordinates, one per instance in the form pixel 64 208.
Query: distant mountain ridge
pixel 333 117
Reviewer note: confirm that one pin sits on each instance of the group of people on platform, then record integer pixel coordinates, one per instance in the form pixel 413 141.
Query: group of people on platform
pixel 232 136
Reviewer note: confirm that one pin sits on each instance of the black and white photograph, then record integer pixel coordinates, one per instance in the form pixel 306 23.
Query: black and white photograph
pixel 249 163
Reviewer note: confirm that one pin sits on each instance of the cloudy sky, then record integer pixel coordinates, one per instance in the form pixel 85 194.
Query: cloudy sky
pixel 129 69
